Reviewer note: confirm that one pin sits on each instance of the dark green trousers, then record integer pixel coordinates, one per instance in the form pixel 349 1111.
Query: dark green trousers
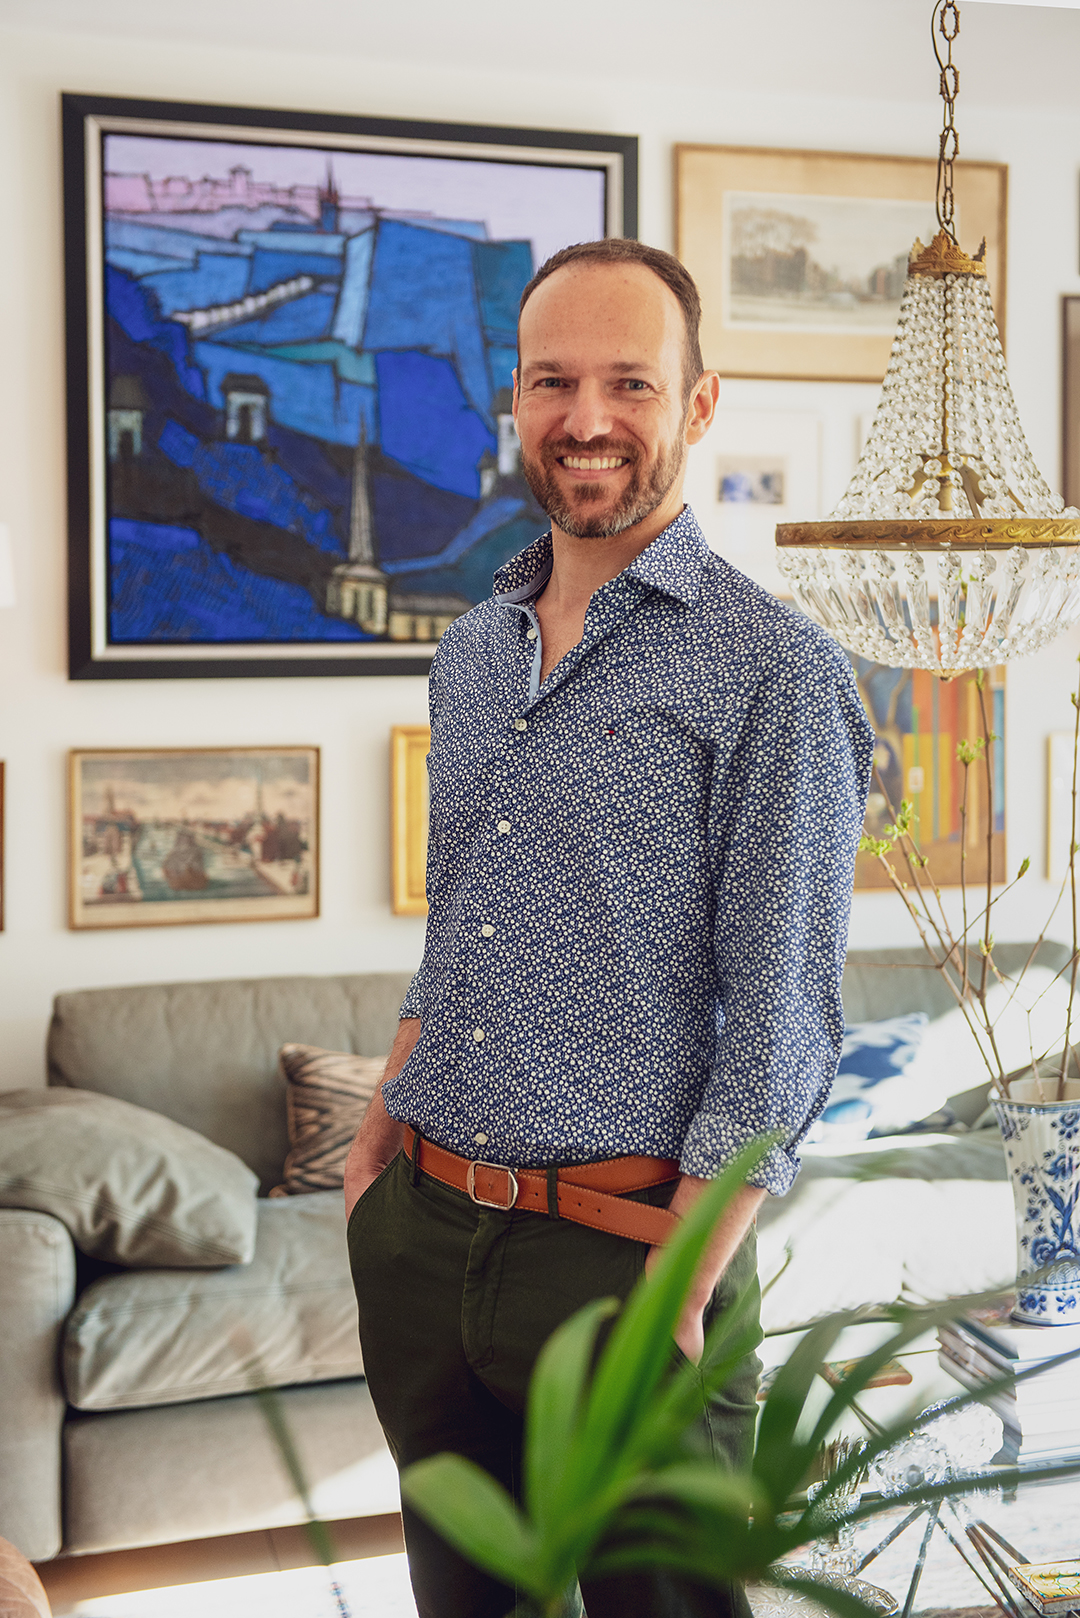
pixel 455 1302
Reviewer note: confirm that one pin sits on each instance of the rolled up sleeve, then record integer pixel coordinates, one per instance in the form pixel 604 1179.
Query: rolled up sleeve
pixel 786 813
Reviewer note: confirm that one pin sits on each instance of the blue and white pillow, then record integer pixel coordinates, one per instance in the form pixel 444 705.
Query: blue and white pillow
pixel 873 1093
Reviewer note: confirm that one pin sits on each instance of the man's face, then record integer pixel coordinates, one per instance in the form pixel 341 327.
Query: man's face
pixel 599 397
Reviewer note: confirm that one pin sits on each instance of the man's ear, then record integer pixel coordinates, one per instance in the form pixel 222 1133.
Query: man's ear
pixel 702 407
pixel 514 406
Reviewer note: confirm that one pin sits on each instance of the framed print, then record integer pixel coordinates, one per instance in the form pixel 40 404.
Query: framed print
pixel 1070 403
pixel 290 346
pixel 918 720
pixel 754 469
pixel 1059 808
pixel 163 836
pixel 409 747
pixel 801 256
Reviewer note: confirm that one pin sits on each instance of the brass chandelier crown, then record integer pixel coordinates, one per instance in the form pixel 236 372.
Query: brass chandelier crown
pixel 946 470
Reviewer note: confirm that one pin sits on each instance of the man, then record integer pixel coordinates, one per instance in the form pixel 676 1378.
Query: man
pixel 647 782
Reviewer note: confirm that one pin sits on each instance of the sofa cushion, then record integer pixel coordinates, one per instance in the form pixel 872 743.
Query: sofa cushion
pixel 326 1096
pixel 206 1053
pixel 131 1186
pixel 155 1337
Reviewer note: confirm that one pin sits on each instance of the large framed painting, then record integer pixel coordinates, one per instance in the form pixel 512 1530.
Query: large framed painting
pixel 801 256
pixel 290 350
pixel 162 836
pixel 918 720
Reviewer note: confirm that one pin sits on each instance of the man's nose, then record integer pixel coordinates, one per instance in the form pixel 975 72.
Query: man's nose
pixel 589 415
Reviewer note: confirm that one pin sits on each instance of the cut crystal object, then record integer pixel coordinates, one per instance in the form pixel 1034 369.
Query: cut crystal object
pixel 948 550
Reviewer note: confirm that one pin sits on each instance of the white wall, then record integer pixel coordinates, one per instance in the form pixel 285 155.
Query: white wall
pixel 607 72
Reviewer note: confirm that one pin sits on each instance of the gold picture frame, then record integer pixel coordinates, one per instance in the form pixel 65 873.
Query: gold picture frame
pixel 813 295
pixel 409 748
pixel 174 836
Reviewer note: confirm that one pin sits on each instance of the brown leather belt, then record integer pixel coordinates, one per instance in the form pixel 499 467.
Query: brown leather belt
pixel 587 1193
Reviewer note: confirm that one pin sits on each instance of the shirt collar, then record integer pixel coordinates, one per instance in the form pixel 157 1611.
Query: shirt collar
pixel 673 564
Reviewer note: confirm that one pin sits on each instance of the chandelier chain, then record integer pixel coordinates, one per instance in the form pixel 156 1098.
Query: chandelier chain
pixel 944 28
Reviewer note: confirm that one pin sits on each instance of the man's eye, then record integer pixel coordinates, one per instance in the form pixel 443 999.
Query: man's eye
pixel 635 382
pixel 549 382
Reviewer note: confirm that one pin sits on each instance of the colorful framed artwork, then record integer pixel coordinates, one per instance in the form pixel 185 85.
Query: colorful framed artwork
pixel 919 719
pixel 290 350
pixel 166 836
pixel 801 256
pixel 409 748
pixel 1070 400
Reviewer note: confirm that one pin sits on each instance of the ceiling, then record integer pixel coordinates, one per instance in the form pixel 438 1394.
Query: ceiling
pixel 1010 54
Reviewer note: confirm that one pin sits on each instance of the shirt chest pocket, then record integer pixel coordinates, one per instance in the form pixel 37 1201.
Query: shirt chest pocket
pixel 654 773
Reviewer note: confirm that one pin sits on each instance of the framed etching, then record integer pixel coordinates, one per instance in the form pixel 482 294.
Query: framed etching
pixel 801 256
pixel 409 747
pixel 918 720
pixel 1070 402
pixel 163 836
pixel 290 346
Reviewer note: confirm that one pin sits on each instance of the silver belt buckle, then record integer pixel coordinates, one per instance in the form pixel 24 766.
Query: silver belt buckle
pixel 500 1168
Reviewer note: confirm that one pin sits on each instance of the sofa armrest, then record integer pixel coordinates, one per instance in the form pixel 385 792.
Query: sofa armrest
pixel 37 1285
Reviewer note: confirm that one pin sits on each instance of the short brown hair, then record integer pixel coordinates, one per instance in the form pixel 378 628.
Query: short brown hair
pixel 624 250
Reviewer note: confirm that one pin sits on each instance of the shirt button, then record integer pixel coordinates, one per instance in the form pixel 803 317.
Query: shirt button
pixel 478 1034
pixel 521 724
pixel 480 1138
pixel 504 826
pixel 487 930
pixel 530 634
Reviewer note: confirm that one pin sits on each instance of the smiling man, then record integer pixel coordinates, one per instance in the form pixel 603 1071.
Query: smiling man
pixel 647 783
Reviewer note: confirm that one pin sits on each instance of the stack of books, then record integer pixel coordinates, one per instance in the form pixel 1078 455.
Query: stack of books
pixel 1041 1414
pixel 1050 1587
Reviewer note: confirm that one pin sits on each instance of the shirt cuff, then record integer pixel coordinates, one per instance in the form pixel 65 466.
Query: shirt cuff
pixel 713 1140
pixel 412 1004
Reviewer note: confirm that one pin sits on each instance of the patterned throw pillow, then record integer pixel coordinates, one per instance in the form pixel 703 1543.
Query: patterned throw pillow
pixel 326 1095
pixel 874 1092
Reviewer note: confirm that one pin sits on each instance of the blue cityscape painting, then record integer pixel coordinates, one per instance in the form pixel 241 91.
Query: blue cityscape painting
pixel 306 421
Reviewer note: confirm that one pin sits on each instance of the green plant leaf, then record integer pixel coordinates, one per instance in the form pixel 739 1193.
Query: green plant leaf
pixel 474 1512
pixel 780 1461
pixel 639 1350
pixel 556 1395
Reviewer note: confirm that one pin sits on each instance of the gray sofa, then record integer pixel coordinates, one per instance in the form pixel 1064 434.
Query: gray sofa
pixel 106 1442
pixel 147 1467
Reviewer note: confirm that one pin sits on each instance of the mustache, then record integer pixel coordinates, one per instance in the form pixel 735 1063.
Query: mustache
pixel 594 446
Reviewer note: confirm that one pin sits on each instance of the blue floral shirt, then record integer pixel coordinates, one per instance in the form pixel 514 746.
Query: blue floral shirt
pixel 639 872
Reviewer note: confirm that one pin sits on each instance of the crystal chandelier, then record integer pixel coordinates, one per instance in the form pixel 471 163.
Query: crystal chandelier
pixel 948 550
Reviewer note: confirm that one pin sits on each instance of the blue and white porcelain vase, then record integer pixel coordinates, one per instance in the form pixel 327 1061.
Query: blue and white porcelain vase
pixel 1042 1150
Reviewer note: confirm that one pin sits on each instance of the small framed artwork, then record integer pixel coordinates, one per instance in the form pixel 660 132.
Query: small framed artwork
pixel 801 256
pixel 918 720
pixel 755 469
pixel 291 339
pixel 163 836
pixel 1059 805
pixel 409 747
pixel 1070 403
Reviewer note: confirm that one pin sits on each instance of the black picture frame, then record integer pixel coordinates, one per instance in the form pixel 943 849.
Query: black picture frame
pixel 102 451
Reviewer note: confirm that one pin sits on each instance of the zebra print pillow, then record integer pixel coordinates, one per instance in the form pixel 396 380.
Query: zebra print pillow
pixel 326 1095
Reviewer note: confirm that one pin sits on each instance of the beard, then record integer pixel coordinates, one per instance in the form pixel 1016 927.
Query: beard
pixel 646 488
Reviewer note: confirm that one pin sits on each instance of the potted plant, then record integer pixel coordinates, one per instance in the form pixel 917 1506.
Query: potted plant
pixel 611 1482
